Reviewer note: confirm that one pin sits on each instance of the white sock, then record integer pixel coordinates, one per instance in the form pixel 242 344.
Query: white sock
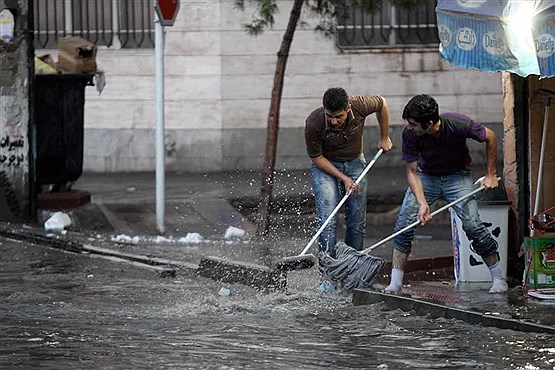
pixel 499 283
pixel 396 283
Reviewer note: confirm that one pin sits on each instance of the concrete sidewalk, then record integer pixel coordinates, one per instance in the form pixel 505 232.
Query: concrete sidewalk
pixel 121 220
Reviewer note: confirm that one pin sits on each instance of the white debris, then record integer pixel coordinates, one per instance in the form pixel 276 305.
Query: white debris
pixel 224 292
pixel 57 222
pixel 122 238
pixel 161 239
pixel 191 238
pixel 233 232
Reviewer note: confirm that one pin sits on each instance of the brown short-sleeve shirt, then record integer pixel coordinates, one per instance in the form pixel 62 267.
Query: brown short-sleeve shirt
pixel 344 143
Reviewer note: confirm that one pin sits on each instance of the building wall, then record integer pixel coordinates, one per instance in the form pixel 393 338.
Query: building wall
pixel 218 86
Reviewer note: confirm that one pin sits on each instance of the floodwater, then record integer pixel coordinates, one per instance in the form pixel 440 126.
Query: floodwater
pixel 64 311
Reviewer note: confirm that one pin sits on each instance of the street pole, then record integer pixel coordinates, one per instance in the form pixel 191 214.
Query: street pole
pixel 160 154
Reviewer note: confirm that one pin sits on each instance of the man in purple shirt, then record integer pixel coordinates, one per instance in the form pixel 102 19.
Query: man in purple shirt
pixel 438 166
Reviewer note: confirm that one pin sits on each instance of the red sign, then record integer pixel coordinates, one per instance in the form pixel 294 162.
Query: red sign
pixel 167 11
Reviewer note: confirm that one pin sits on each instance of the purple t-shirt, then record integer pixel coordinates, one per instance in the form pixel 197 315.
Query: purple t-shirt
pixel 448 153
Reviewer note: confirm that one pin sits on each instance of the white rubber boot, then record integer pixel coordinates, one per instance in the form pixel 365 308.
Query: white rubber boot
pixel 396 283
pixel 499 284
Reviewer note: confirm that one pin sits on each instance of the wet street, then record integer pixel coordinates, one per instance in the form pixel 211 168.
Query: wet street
pixel 60 310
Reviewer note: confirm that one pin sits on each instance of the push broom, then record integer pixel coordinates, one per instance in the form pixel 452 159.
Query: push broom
pixel 304 260
pixel 357 269
pixel 263 277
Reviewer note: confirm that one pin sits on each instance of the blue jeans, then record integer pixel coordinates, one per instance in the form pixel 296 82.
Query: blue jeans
pixel 450 188
pixel 328 192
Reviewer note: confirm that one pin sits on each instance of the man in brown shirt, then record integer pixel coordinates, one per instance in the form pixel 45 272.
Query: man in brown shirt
pixel 333 136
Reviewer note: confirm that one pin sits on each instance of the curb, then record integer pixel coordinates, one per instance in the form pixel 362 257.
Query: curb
pixel 259 277
pixel 422 307
pixel 157 265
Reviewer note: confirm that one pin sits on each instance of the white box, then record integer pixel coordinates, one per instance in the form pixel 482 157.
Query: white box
pixel 469 266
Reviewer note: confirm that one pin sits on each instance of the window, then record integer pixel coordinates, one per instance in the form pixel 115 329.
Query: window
pixel 111 23
pixel 389 26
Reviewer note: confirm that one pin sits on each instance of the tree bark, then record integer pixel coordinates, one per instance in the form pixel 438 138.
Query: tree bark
pixel 267 185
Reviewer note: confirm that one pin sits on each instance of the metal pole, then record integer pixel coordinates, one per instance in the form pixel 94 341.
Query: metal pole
pixel 116 43
pixel 542 153
pixel 160 155
pixel 68 17
pixel 393 26
pixel 548 96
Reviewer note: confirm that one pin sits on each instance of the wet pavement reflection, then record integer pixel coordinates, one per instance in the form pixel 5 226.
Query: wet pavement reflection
pixel 64 311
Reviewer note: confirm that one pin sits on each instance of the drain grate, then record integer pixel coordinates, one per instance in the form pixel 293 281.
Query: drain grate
pixel 434 296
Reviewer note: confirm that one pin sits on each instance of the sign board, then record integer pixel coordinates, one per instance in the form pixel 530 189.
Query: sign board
pixel 497 36
pixel 167 11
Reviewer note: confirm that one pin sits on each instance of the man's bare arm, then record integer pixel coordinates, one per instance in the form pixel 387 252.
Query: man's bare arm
pixel 383 120
pixel 415 184
pixel 490 181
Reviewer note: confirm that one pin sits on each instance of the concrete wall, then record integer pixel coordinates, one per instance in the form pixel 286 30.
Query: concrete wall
pixel 218 85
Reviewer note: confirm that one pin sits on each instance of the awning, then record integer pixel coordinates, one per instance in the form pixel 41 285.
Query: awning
pixel 498 35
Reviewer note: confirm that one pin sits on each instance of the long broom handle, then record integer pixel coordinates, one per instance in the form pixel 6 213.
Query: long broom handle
pixel 416 223
pixel 550 95
pixel 336 209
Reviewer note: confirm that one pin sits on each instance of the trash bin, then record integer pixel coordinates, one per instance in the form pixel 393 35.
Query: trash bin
pixel 58 116
pixel 493 209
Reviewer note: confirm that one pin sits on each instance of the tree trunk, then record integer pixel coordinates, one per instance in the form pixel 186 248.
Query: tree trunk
pixel 267 185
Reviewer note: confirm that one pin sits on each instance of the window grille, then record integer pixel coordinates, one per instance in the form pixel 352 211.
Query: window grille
pixel 110 23
pixel 389 26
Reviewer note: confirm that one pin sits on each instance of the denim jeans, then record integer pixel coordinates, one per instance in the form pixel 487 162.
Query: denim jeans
pixel 328 192
pixel 450 188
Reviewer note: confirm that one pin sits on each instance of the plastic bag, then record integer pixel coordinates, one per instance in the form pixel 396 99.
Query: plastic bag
pixel 57 222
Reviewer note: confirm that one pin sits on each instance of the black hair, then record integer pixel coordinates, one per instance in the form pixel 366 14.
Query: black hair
pixel 335 99
pixel 422 109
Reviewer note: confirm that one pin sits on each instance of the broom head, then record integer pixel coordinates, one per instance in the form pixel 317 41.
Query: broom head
pixel 301 262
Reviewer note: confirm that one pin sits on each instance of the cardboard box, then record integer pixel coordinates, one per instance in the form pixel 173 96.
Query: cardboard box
pixel 68 64
pixel 539 271
pixel 76 55
pixel 77 47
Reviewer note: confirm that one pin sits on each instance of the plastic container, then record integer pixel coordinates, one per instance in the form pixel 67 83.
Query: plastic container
pixel 469 266
pixel 539 269
pixel 58 116
pixel 7 25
